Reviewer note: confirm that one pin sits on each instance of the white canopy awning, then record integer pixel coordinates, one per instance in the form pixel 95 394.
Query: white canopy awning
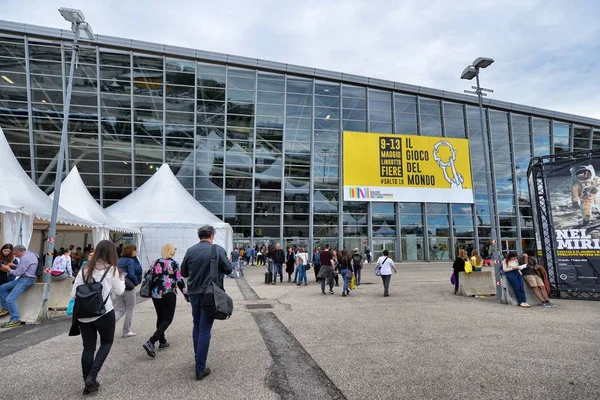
pixel 20 194
pixel 22 202
pixel 75 197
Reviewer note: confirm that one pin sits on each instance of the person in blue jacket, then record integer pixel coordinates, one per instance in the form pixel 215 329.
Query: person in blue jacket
pixel 124 304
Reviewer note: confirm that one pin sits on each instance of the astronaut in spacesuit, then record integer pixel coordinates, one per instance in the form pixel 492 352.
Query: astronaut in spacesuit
pixel 584 188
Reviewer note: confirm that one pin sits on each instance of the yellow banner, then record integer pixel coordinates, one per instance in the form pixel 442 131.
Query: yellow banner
pixel 390 167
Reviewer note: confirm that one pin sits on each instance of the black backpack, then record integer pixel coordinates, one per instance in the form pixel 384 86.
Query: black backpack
pixel 356 260
pixel 88 298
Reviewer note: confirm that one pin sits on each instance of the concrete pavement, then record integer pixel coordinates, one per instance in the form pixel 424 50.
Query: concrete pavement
pixel 422 342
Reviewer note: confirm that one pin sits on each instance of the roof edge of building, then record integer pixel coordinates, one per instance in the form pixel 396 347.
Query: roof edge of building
pixel 43 32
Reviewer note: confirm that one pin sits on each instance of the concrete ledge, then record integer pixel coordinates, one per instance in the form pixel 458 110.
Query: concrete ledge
pixel 476 283
pixel 32 309
pixel 508 293
pixel 60 294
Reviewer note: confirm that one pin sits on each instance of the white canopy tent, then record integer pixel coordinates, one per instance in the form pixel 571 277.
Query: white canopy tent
pixel 166 212
pixel 22 203
pixel 77 199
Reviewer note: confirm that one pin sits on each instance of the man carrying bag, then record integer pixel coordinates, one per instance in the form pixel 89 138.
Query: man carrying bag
pixel 204 282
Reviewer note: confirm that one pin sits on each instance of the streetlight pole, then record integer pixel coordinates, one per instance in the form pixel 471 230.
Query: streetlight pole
pixel 470 72
pixel 77 25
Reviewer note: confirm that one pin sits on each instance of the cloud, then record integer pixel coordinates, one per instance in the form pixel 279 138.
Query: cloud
pixel 545 51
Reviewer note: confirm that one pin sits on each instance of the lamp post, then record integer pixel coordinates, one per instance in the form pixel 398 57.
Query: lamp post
pixel 470 72
pixel 78 25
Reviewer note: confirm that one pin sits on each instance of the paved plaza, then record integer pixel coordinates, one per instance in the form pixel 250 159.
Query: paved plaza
pixel 422 342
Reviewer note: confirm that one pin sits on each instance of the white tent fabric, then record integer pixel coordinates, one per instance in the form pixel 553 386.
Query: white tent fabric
pixel 165 212
pixel 77 199
pixel 21 196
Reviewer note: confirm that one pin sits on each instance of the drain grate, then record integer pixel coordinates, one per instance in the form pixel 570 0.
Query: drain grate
pixel 258 306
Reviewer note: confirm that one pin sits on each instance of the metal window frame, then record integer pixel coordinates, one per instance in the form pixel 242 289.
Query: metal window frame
pixel 424 215
pixel 132 121
pixel 283 140
pixel 311 185
pixel 194 156
pixel 164 110
pixel 511 144
pixel 224 168
pixel 99 108
pixel 30 111
pixel 341 168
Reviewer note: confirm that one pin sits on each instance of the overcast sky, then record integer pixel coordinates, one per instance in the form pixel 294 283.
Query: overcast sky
pixel 547 52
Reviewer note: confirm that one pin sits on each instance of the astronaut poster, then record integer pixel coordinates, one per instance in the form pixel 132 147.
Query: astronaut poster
pixel 573 187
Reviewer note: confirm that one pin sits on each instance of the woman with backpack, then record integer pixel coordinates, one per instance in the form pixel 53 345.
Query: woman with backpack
pixel 385 265
pixel 345 267
pixel 97 281
pixel 166 278
pixel 459 266
pixel 125 304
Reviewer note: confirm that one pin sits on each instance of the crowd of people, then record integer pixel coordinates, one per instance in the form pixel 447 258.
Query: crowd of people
pixel 328 265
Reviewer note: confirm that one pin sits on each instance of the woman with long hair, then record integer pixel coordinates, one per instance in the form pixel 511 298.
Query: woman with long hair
pixel 125 304
pixel 336 264
pixel 459 266
pixel 346 270
pixel 166 277
pixel 61 267
pixel 302 260
pixel 476 260
pixel 7 256
pixel 101 268
pixel 510 266
pixel 290 263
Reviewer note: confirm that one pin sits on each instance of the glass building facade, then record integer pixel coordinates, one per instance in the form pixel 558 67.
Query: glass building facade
pixel 258 143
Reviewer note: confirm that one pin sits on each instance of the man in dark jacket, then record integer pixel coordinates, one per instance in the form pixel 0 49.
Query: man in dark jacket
pixel 278 261
pixel 196 267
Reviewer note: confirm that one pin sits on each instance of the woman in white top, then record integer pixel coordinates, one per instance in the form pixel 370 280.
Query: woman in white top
pixel 101 268
pixel 386 265
pixel 302 261
pixel 61 267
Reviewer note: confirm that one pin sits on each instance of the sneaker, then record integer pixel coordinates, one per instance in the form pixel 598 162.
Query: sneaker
pixel 524 305
pixel 386 295
pixel 298 284
pixel 149 347
pixel 547 305
pixel 331 292
pixel 91 385
pixel 129 334
pixel 322 292
pixel 306 284
pixel 164 345
pixel 203 375
pixel 10 324
pixel 4 313
pixel 348 292
pixel 344 294
pixel 550 304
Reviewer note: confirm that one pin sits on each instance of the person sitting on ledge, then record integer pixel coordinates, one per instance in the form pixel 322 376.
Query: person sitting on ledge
pixel 532 278
pixel 9 292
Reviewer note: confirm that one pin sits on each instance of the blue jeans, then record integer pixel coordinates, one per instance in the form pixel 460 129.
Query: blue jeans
pixel 277 269
pixel 9 292
pixel 516 281
pixel 302 274
pixel 344 273
pixel 241 269
pixel 201 333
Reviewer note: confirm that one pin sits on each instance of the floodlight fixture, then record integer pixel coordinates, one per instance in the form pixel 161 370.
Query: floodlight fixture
pixel 468 73
pixel 86 29
pixel 72 15
pixel 483 62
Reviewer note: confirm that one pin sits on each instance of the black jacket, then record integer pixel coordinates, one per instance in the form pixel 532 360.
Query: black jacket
pixel 459 265
pixel 196 267
pixel 278 256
